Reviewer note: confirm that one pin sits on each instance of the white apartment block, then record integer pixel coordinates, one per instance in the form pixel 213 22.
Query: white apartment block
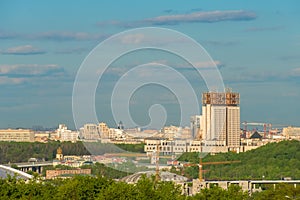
pixel 66 135
pixel 233 126
pixel 90 132
pixel 166 147
pixel 175 147
pixel 291 132
pixel 17 135
pixel 103 130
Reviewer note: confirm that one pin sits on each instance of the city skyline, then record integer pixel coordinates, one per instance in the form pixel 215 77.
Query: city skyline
pixel 255 46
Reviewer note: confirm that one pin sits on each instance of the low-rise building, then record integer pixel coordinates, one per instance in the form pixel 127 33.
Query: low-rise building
pixel 103 130
pixel 66 135
pixel 41 136
pixel 90 132
pixel 291 132
pixel 166 147
pixel 17 135
pixel 50 174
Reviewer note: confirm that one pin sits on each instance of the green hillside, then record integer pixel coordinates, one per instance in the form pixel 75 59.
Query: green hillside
pixel 22 151
pixel 272 161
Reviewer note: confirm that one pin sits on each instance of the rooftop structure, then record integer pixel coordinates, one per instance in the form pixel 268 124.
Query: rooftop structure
pixel 164 176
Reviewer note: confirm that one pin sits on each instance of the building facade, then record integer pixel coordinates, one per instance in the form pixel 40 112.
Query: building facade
pixel 66 135
pixel 291 132
pixel 220 121
pixel 165 146
pixel 50 174
pixel 17 135
pixel 103 130
pixel 89 132
pixel 195 125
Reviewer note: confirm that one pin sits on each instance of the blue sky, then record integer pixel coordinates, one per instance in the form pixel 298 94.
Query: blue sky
pixel 256 45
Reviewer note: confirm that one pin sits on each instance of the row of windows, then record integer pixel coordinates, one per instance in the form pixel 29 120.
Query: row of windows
pixel 166 149
pixel 166 144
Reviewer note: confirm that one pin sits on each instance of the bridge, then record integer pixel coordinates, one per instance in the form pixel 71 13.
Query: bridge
pixel 247 185
pixel 6 171
pixel 31 166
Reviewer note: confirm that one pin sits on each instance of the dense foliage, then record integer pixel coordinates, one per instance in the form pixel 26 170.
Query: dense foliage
pixel 272 161
pixel 138 148
pixel 281 191
pixel 86 187
pixel 22 151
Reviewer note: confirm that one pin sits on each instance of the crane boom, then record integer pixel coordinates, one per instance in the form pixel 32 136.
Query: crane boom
pixel 157 178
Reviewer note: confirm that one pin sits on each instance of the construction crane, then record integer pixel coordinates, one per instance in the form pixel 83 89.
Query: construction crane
pixel 201 170
pixel 200 138
pixel 265 125
pixel 157 177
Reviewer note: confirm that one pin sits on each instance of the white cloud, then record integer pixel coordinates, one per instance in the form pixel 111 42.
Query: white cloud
pixel 23 50
pixel 31 73
pixel 208 17
pixel 66 36
pixel 207 64
pixel 194 17
pixel 132 39
pixel 55 36
pixel 295 72
pixel 4 80
pixel 198 65
pixel 270 28
pixel 77 50
pixel 29 70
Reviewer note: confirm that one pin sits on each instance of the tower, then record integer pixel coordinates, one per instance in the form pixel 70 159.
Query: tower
pixel 120 125
pixel 195 125
pixel 221 119
pixel 59 154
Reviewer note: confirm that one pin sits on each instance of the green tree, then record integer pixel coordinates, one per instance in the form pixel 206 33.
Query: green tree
pixel 119 190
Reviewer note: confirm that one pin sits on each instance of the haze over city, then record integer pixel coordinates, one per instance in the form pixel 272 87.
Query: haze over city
pixel 150 99
pixel 255 45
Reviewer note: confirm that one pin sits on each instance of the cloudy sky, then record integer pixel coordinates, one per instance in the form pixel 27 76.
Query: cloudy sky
pixel 255 44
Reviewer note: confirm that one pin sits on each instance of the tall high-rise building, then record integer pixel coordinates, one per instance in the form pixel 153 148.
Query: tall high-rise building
pixel 220 121
pixel 195 125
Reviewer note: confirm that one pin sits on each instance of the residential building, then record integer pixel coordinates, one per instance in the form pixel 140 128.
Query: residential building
pixel 66 135
pixel 103 130
pixel 186 133
pixel 41 136
pixel 291 132
pixel 89 132
pixel 17 135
